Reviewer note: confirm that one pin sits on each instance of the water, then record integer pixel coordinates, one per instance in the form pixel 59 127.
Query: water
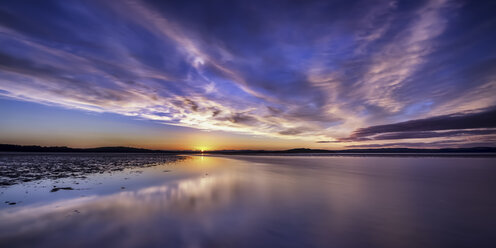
pixel 26 167
pixel 262 201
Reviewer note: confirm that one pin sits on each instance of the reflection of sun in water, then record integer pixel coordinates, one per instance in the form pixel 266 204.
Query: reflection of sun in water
pixel 203 162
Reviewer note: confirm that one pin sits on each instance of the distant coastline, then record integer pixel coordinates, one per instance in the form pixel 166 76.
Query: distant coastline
pixel 121 149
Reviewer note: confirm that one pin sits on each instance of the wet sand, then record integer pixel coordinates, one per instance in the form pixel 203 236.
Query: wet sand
pixel 25 167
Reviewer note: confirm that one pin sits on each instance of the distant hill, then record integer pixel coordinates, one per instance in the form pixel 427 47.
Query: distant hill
pixel 121 149
pixel 116 149
pixel 375 150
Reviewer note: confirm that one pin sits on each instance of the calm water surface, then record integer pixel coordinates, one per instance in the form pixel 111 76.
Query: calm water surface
pixel 262 201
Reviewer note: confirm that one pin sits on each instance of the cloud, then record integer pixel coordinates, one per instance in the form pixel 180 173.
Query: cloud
pixel 472 124
pixel 310 70
pixel 481 119
pixel 424 134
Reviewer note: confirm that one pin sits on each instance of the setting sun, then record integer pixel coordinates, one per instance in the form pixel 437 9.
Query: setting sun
pixel 202 148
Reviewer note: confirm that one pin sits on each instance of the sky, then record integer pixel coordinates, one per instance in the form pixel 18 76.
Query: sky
pixel 248 74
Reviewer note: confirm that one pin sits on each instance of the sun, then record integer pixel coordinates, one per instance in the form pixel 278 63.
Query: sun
pixel 202 149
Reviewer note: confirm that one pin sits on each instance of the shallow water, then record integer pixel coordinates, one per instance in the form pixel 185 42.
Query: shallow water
pixel 18 167
pixel 262 201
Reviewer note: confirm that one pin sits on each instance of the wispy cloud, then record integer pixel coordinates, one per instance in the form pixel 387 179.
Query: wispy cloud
pixel 291 70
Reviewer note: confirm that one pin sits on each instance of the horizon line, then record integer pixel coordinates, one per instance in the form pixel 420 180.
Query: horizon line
pixel 14 147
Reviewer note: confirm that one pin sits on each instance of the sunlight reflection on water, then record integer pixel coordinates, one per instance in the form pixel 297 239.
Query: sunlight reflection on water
pixel 273 201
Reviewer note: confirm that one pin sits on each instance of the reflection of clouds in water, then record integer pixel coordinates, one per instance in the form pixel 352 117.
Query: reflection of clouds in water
pixel 272 203
pixel 276 202
pixel 193 195
pixel 186 210
pixel 9 217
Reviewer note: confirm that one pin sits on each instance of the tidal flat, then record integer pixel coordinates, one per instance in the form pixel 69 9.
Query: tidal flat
pixel 251 201
pixel 25 167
